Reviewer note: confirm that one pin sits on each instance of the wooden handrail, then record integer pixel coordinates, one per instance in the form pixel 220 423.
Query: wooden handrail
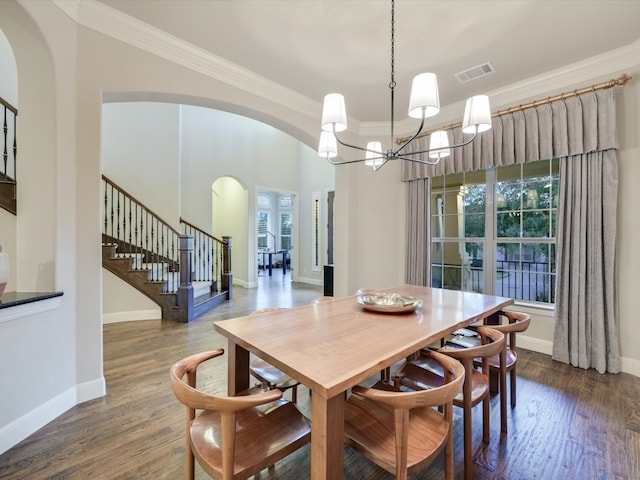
pixel 118 187
pixel 191 225
pixel 9 106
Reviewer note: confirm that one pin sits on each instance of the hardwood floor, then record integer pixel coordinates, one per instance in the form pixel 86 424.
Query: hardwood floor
pixel 569 423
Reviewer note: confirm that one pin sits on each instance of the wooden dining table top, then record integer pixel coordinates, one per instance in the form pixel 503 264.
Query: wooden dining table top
pixel 332 345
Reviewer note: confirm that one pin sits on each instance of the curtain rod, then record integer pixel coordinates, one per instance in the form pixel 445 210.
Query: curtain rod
pixel 622 80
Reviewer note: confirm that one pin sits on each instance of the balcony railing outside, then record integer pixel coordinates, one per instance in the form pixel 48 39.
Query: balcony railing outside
pixel 522 280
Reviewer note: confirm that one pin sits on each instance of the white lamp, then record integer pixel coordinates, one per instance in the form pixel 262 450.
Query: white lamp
pixel 334 113
pixel 327 147
pixel 439 145
pixel 424 100
pixel 374 156
pixel 477 115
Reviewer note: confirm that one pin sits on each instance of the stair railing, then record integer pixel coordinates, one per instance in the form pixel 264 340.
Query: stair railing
pixel 142 235
pixel 208 255
pixel 9 129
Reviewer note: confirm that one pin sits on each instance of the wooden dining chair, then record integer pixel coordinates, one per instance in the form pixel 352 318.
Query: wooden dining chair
pixel 517 322
pixel 400 431
pixel 235 437
pixel 272 377
pixel 422 373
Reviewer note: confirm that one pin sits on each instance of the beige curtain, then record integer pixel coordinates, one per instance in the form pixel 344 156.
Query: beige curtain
pixel 581 132
pixel 418 264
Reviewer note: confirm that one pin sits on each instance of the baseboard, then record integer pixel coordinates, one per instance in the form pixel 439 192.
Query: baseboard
pixel 535 344
pixel 311 281
pixel 627 365
pixel 630 366
pixel 89 390
pixel 34 420
pixel 131 316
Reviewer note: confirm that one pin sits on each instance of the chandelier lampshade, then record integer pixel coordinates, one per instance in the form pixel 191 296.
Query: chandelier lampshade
pixel 373 156
pixel 424 101
pixel 334 113
pixel 327 147
pixel 439 145
pixel 477 115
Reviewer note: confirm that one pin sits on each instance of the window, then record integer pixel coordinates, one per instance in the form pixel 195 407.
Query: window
pixel 285 230
pixel 263 227
pixel 493 231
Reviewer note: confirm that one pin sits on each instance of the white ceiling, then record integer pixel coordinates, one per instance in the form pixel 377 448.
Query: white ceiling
pixel 316 47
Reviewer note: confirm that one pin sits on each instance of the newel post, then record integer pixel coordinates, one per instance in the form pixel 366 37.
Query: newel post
pixel 227 276
pixel 185 290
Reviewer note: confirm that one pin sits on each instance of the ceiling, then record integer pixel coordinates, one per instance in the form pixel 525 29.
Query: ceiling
pixel 316 47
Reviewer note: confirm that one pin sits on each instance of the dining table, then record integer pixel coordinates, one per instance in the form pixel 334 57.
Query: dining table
pixel 331 346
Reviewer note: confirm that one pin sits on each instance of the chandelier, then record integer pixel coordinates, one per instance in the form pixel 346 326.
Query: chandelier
pixel 424 102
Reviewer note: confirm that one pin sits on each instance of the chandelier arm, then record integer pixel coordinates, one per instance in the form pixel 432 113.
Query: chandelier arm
pixel 345 144
pixel 412 138
pixel 378 167
pixel 416 160
pixel 463 144
pixel 344 162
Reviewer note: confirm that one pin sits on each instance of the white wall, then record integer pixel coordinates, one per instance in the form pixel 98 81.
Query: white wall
pixel 64 74
pixel 141 153
pixel 50 361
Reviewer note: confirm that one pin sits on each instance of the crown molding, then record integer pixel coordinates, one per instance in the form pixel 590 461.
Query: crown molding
pixel 115 24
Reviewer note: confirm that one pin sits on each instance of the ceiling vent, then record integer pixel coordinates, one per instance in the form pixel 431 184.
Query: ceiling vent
pixel 475 72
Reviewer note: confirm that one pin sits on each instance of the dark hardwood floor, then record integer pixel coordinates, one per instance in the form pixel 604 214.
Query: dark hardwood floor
pixel 569 423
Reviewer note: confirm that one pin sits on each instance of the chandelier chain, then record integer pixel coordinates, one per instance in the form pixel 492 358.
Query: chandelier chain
pixel 392 84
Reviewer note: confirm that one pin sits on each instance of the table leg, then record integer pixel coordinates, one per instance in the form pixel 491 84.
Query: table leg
pixel 237 369
pixel 284 263
pixel 270 263
pixel 494 379
pixel 327 437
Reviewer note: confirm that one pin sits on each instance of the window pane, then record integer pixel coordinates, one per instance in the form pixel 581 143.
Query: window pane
pixel 473 270
pixel 508 225
pixel 285 224
pixel 508 195
pixel 474 225
pixel 535 224
pixel 262 227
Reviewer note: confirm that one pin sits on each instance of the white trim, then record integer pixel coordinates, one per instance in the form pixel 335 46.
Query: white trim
pixel 310 281
pixel 32 421
pixel 630 366
pixel 92 389
pixel 8 314
pixel 131 316
pixel 19 429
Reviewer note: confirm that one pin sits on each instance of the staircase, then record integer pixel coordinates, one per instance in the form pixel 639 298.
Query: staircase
pixel 187 274
pixel 8 168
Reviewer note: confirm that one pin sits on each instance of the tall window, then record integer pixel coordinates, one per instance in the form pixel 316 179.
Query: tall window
pixel 266 239
pixel 285 203
pixel 285 230
pixel 262 229
pixel 493 231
